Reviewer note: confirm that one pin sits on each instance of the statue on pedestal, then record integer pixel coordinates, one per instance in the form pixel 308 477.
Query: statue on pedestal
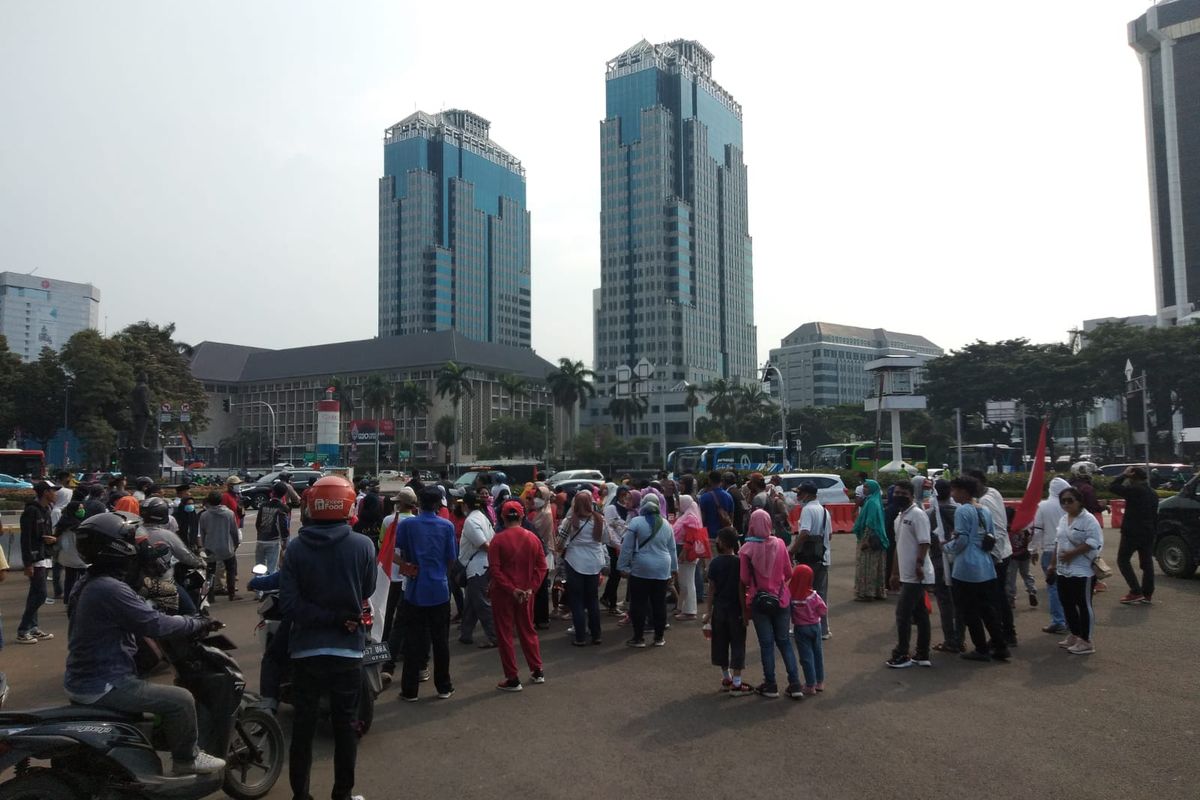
pixel 141 411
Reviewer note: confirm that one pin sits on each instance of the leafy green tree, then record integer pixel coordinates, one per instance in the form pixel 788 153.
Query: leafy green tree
pixel 10 364
pixel 1109 435
pixel 506 437
pixel 411 400
pixel 542 419
pixel 41 395
pixel 150 347
pixel 628 409
pixel 377 396
pixel 445 433
pixel 571 386
pixel 722 403
pixel 455 380
pixel 101 383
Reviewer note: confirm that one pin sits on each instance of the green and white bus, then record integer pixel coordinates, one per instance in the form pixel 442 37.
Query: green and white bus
pixel 861 456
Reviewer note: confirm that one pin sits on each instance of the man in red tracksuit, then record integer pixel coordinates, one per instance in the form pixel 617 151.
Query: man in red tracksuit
pixel 517 564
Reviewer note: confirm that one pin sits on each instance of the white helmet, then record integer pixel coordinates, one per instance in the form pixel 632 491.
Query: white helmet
pixel 1083 468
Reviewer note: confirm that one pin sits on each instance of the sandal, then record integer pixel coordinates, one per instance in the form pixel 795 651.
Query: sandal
pixel 684 617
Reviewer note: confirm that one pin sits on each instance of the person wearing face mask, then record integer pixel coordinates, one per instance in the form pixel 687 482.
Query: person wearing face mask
pixel 68 553
pixel 187 516
pixel 912 572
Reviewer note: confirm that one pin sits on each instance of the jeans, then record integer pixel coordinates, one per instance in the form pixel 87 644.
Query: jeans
pixel 647 595
pixel 174 705
pixel 583 595
pixel 186 606
pixel 477 608
pixel 56 579
pixel 977 602
pixel 811 652
pixel 701 573
pixel 910 608
pixel 687 587
pixel 267 553
pixel 69 579
pixel 1076 595
pixel 274 664
pixel 773 633
pixel 820 585
pixel 1056 610
pixel 1020 565
pixel 425 627
pixel 230 567
pixel 1143 545
pixel 342 679
pixel 393 630
pixel 614 580
pixel 33 600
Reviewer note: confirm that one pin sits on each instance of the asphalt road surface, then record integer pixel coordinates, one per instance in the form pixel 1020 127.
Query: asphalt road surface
pixel 613 722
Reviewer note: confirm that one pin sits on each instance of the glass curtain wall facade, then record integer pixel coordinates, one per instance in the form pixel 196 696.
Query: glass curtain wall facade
pixel 1167 40
pixel 676 268
pixel 453 232
pixel 37 312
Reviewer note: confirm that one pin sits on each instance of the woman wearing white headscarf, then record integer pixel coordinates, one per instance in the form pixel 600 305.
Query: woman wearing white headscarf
pixel 688 521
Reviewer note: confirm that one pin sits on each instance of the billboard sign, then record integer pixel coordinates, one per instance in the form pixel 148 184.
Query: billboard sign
pixel 362 431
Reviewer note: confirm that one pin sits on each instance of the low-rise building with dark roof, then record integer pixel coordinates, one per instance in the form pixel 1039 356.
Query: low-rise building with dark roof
pixel 292 380
pixel 822 363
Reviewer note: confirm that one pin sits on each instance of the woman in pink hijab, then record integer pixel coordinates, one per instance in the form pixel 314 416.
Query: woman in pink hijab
pixel 688 522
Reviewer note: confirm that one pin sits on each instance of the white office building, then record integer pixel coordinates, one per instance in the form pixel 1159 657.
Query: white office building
pixel 38 312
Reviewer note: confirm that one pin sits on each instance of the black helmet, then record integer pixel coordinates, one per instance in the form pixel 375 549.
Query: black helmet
pixel 155 511
pixel 143 483
pixel 108 539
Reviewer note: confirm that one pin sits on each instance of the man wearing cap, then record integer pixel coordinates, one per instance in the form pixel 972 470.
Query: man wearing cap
pixel 230 498
pixel 426 549
pixel 37 543
pixel 405 504
pixel 477 533
pixel 518 567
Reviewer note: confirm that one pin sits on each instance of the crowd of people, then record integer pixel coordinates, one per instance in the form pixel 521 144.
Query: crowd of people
pixel 498 563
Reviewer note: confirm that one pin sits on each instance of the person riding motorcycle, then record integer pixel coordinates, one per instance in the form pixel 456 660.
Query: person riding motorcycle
pixel 163 591
pixel 103 625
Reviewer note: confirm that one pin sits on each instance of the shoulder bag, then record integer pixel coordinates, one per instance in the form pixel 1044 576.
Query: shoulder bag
pixel 812 550
pixel 988 542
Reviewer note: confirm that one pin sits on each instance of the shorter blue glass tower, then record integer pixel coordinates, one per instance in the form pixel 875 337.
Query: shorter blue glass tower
pixel 453 231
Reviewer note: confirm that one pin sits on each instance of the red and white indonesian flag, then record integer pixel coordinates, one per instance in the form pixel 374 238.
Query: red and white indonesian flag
pixel 383 580
pixel 1033 490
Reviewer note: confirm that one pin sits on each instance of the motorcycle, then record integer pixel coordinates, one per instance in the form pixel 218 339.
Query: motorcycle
pixel 100 754
pixel 374 656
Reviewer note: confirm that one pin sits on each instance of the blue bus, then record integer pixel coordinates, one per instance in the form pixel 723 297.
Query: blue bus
pixel 722 456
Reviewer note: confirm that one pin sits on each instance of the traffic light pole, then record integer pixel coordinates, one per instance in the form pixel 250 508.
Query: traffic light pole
pixel 230 405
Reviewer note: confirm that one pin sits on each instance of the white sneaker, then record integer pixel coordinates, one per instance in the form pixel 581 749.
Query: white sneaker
pixel 202 764
pixel 1069 642
pixel 1082 648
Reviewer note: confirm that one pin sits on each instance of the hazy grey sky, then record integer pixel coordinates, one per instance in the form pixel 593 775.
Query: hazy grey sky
pixel 960 170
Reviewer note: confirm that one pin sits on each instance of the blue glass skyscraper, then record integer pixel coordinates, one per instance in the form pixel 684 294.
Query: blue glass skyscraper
pixel 676 271
pixel 453 231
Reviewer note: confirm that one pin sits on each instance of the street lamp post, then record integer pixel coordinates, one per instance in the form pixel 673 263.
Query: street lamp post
pixel 269 408
pixel 1132 386
pixel 767 369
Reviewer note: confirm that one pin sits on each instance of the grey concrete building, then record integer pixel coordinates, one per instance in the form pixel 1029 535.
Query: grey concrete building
pixel 37 312
pixel 676 273
pixel 1167 41
pixel 453 232
pixel 823 363
pixel 293 380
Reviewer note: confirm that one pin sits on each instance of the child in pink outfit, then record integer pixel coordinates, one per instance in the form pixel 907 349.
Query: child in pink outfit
pixel 807 610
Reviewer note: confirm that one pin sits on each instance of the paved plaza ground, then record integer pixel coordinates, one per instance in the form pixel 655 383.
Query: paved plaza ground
pixel 612 722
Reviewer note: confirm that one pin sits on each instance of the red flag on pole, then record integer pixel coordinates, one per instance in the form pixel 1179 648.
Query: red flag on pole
pixel 1033 490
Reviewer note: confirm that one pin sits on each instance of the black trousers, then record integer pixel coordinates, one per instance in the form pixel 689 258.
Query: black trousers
pixel 1076 597
pixel 728 638
pixel 312 677
pixel 541 603
pixel 910 608
pixel 1143 545
pixel 977 602
pixel 425 627
pixel 1002 607
pixel 393 631
pixel 614 580
pixel 647 595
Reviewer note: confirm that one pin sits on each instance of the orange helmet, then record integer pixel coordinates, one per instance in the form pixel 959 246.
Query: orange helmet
pixel 330 499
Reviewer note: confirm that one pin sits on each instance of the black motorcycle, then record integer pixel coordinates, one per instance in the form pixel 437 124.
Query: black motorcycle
pixel 96 753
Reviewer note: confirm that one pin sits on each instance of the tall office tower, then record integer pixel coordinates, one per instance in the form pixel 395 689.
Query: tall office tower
pixel 37 312
pixel 676 282
pixel 1167 40
pixel 453 231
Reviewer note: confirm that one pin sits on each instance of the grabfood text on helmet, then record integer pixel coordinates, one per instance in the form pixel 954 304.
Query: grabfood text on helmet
pixel 322 504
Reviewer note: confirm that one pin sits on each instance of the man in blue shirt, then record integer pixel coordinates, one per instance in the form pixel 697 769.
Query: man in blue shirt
pixel 714 501
pixel 427 545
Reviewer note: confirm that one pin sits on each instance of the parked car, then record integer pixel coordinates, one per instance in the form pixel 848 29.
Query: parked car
pixel 253 495
pixel 1177 543
pixel 575 475
pixel 830 488
pixel 572 486
pixel 9 482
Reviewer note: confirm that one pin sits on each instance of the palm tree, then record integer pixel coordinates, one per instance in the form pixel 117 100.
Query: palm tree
pixel 455 380
pixel 691 401
pixel 516 387
pixel 751 400
pixel 184 349
pixel 628 409
pixel 377 395
pixel 446 433
pixel 571 386
pixel 721 404
pixel 343 392
pixel 411 400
